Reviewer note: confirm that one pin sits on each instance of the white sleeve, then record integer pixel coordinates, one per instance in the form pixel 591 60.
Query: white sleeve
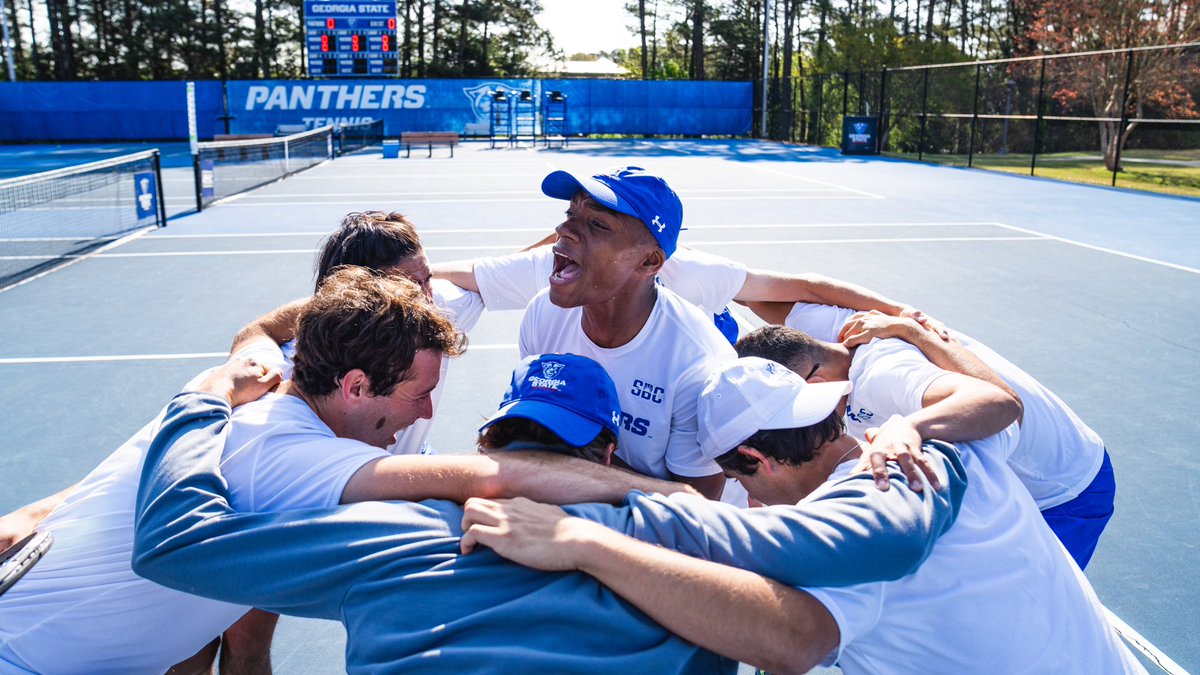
pixel 511 281
pixel 465 307
pixel 282 476
pixel 855 609
pixel 823 322
pixel 708 281
pixel 683 456
pixel 268 355
pixel 895 377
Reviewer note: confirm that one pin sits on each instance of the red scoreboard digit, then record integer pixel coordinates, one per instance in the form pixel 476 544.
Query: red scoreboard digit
pixel 330 24
pixel 354 43
pixel 325 42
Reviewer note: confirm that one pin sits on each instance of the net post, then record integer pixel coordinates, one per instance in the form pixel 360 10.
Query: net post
pixel 287 162
pixel 198 182
pixel 158 186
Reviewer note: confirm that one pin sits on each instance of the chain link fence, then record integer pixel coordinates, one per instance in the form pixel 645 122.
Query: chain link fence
pixel 1125 118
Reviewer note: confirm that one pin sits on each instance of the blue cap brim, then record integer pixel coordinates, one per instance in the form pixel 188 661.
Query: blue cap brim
pixel 570 427
pixel 563 185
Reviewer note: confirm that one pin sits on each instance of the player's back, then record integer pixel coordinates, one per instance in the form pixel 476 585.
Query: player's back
pixel 82 609
pixel 998 593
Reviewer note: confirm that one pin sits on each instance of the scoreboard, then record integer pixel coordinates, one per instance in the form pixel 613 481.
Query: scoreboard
pixel 348 39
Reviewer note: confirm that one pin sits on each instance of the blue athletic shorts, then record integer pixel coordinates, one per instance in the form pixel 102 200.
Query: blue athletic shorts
pixel 1079 522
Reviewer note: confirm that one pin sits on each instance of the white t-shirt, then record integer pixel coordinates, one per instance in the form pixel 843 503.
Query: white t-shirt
pixel 708 281
pixel 280 456
pixel 465 308
pixel 1057 456
pixel 81 609
pixel 998 594
pixel 658 375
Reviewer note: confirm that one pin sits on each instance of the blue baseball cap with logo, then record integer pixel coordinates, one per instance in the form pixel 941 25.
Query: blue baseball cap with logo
pixel 571 395
pixel 630 190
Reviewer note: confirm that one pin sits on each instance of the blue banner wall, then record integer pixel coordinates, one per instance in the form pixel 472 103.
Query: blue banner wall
pixel 92 111
pixel 104 111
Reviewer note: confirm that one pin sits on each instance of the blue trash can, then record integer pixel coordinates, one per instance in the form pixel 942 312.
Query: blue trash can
pixel 391 149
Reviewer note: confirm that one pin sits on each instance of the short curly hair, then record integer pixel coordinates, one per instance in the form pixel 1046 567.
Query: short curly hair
pixel 360 318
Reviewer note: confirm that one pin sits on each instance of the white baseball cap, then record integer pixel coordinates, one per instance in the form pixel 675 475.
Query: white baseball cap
pixel 750 394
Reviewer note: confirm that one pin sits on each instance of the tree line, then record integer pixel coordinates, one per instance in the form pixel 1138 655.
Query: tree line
pixel 676 39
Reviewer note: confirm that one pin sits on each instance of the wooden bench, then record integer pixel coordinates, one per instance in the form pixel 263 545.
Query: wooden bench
pixel 429 138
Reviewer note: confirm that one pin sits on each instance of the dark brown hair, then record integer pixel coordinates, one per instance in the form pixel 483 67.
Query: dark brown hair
pixel 786 446
pixel 513 429
pixel 794 349
pixel 362 319
pixel 371 239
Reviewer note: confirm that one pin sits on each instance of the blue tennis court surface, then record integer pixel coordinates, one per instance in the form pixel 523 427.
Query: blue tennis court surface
pixel 1093 291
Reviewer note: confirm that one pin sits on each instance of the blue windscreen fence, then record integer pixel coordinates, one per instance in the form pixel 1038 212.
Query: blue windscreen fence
pixel 96 111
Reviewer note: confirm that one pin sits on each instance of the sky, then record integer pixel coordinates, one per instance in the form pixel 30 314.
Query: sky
pixel 588 26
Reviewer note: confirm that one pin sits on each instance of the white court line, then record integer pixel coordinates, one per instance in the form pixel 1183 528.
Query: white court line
pixel 174 357
pixel 1131 256
pixel 394 176
pixel 864 193
pixel 538 200
pixel 1143 645
pixel 510 247
pixel 71 260
pixel 430 231
pixel 691 194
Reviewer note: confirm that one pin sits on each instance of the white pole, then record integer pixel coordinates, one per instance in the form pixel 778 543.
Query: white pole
pixel 762 128
pixel 8 57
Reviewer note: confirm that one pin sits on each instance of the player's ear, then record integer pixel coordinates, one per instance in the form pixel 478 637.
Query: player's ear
pixel 763 462
pixel 608 454
pixel 354 385
pixel 652 260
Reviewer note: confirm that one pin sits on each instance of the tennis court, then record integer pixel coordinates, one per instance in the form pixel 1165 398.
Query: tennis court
pixel 1090 290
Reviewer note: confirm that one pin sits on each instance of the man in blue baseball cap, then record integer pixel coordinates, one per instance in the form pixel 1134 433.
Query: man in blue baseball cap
pixel 557 402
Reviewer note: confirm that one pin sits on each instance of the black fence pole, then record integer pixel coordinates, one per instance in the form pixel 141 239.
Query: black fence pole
pixel 924 116
pixel 845 91
pixel 1124 116
pixel 158 186
pixel 881 123
pixel 1037 125
pixel 815 123
pixel 974 118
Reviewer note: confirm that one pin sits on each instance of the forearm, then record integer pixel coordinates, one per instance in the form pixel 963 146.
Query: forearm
pixel 278 326
pixel 461 273
pixel 559 479
pixel 766 286
pixel 846 532
pixel 973 411
pixel 22 522
pixel 951 356
pixel 730 611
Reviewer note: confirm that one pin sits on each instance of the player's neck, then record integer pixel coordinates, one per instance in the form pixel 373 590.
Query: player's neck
pixel 321 406
pixel 616 321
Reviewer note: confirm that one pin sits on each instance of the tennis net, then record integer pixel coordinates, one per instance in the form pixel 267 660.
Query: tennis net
pixel 355 137
pixel 52 217
pixel 225 168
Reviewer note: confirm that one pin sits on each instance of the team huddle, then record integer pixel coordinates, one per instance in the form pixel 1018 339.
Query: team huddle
pixel 663 488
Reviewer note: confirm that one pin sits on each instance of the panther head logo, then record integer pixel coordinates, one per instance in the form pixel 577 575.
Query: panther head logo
pixel 551 369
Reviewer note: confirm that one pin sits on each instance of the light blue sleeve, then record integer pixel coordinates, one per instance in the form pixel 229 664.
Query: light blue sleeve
pixel 846 532
pixel 189 538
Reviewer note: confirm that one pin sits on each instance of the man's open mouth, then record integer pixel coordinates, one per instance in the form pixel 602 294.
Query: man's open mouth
pixel 566 269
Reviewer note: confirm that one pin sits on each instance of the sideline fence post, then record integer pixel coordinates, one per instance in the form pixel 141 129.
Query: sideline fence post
pixel 1124 116
pixel 974 118
pixel 814 125
pixel 882 117
pixel 845 90
pixel 1037 125
pixel 924 116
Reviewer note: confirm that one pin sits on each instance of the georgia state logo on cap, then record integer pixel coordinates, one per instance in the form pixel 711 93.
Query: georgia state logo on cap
pixel 549 379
